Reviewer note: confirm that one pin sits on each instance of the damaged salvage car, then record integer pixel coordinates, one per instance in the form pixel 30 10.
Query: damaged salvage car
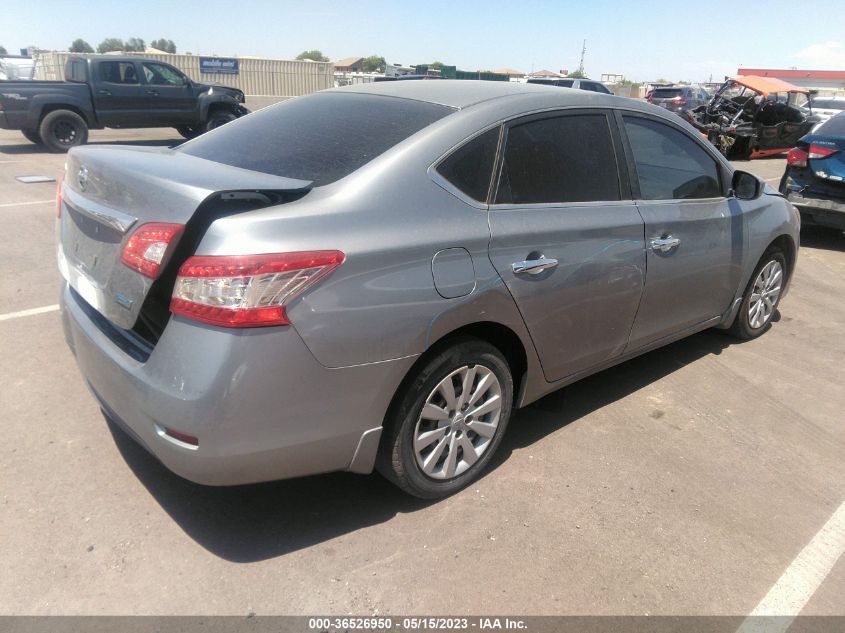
pixel 751 116
pixel 377 276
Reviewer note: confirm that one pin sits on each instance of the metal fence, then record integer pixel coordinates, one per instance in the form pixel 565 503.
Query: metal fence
pixel 265 77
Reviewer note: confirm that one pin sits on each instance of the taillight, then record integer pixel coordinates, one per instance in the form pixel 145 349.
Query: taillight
pixel 818 151
pixel 59 195
pixel 146 248
pixel 796 157
pixel 247 290
pixel 679 100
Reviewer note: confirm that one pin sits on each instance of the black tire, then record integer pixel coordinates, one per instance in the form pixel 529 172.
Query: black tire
pixel 741 327
pixel 397 460
pixel 190 131
pixel 32 136
pixel 218 118
pixel 62 129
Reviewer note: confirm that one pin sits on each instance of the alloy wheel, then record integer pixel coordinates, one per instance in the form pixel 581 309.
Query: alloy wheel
pixel 765 294
pixel 458 422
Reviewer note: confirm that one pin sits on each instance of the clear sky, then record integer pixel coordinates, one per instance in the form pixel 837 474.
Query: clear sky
pixel 678 40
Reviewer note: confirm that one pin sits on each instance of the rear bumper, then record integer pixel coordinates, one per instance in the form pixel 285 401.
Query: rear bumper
pixel 261 405
pixel 824 211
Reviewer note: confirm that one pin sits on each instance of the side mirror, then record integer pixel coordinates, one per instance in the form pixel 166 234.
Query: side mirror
pixel 746 186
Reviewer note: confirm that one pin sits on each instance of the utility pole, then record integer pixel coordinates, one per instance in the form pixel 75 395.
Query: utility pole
pixel 583 50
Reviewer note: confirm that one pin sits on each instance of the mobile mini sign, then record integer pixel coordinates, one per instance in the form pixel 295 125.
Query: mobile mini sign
pixel 219 66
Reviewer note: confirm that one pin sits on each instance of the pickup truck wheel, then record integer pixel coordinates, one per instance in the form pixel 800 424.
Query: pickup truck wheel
pixel 62 129
pixel 190 131
pixel 31 135
pixel 218 118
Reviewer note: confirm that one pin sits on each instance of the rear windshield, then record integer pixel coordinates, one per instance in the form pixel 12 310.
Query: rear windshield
pixel 834 126
pixel 321 137
pixel 666 93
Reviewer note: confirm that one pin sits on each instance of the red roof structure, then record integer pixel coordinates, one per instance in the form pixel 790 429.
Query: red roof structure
pixel 828 75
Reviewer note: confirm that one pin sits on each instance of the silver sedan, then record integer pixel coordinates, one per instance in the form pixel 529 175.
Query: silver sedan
pixel 377 276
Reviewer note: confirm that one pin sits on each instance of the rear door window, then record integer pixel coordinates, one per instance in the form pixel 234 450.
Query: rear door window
pixel 670 165
pixel 322 137
pixel 470 167
pixel 557 160
pixel 118 72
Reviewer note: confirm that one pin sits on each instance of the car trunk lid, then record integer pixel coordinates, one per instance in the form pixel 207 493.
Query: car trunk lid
pixel 109 192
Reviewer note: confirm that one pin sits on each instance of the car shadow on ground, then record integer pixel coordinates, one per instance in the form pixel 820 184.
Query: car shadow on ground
pixel 822 237
pixel 257 522
pixel 26 147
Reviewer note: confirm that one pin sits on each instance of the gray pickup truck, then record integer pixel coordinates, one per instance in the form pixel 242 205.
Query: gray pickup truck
pixel 117 92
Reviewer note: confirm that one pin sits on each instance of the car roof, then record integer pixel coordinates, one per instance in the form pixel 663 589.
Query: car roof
pixel 464 93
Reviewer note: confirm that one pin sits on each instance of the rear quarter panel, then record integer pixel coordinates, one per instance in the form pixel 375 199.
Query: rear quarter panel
pixel 389 218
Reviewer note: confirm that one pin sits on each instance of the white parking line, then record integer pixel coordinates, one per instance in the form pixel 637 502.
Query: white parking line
pixel 795 587
pixel 25 313
pixel 21 204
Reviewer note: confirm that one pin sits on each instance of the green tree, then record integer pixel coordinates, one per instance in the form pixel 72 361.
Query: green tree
pixel 374 64
pixel 164 45
pixel 314 56
pixel 436 65
pixel 80 46
pixel 135 44
pixel 111 44
pixel 576 74
pixel 3 50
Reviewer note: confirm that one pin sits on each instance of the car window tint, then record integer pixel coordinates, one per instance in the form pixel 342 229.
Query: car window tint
pixel 118 72
pixel 565 83
pixel 670 165
pixel 562 159
pixel 470 167
pixel 834 126
pixel 321 137
pixel 586 85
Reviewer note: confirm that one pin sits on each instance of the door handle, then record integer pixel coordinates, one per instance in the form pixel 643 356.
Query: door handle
pixel 152 92
pixel 533 266
pixel 664 244
pixel 105 93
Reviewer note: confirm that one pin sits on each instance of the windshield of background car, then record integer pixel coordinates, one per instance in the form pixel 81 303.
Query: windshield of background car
pixel 321 137
pixel 834 126
pixel 798 100
pixel 829 104
pixel 666 93
pixel 734 90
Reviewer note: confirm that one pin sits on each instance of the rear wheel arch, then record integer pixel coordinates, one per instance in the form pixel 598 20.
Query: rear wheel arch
pixel 499 336
pixel 47 109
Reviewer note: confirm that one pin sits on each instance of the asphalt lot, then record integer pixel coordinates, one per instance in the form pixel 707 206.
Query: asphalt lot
pixel 683 482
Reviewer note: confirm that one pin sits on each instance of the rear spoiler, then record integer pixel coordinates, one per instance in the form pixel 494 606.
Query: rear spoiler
pixel 167 185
